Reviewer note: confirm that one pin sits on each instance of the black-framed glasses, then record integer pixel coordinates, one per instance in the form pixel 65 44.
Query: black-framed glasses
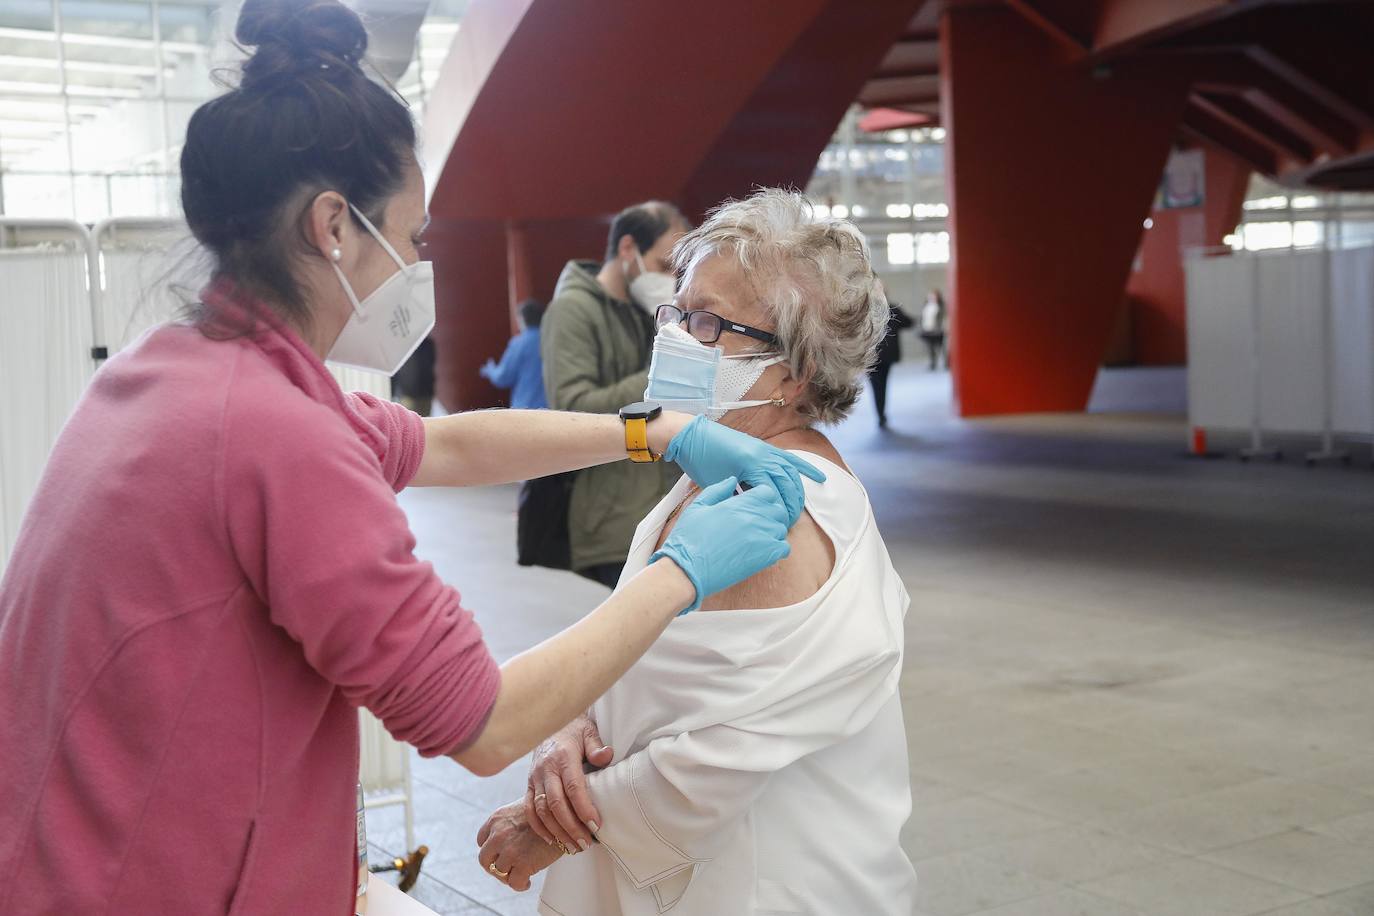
pixel 706 326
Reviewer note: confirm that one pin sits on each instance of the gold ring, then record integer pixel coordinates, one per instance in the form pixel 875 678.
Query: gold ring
pixel 563 846
pixel 539 796
pixel 498 872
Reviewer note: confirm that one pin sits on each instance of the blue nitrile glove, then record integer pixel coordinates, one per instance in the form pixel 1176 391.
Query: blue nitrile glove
pixel 708 452
pixel 722 539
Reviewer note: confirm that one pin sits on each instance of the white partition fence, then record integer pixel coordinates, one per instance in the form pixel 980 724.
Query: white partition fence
pixel 69 299
pixel 46 355
pixel 1282 342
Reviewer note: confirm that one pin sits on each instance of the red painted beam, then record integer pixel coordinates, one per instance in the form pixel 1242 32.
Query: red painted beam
pixel 1234 111
pixel 1048 24
pixel 1220 69
pixel 1126 25
pixel 909 55
pixel 882 90
pixel 895 73
pixel 1202 123
pixel 1350 100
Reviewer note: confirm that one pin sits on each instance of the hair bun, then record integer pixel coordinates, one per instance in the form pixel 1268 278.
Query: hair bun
pixel 293 37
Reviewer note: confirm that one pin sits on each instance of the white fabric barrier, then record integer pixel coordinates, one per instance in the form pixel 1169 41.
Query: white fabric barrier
pixel 1352 314
pixel 1291 358
pixel 1220 293
pixel 384 771
pixel 1259 357
pixel 135 264
pixel 45 353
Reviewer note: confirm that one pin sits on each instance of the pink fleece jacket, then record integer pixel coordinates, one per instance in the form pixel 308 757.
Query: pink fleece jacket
pixel 213 575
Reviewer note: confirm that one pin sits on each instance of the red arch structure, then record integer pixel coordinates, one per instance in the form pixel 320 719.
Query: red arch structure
pixel 551 115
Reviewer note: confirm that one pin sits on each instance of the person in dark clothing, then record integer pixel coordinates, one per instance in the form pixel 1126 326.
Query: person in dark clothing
pixel 413 383
pixel 521 368
pixel 889 352
pixel 933 328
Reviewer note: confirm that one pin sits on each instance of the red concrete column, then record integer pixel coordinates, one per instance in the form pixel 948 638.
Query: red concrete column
pixel 1156 291
pixel 472 320
pixel 1051 168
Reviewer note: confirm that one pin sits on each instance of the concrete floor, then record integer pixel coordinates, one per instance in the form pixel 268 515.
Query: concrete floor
pixel 1135 683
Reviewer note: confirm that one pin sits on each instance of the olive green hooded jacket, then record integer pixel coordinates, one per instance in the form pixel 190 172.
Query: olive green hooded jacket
pixel 596 350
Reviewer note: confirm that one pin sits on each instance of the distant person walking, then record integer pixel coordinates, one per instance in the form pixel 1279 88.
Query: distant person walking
pixel 933 328
pixel 521 368
pixel 889 352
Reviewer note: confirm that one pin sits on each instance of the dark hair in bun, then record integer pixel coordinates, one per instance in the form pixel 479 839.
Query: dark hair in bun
pixel 303 119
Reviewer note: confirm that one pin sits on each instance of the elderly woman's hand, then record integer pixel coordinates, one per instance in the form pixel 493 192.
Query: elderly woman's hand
pixel 511 852
pixel 557 805
pixel 709 453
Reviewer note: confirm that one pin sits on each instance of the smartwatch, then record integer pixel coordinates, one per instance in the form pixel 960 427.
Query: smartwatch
pixel 636 417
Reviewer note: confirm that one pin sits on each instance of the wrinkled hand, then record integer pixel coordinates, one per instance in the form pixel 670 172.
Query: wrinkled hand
pixel 709 452
pixel 557 804
pixel 508 843
pixel 722 539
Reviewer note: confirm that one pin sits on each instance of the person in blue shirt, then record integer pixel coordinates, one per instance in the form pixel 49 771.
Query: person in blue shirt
pixel 521 369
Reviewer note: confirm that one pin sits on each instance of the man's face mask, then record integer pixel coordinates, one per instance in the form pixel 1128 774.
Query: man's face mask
pixel 651 288
pixel 688 376
pixel 387 326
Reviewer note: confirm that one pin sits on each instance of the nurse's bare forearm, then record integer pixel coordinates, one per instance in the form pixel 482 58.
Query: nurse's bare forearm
pixel 548 686
pixel 485 447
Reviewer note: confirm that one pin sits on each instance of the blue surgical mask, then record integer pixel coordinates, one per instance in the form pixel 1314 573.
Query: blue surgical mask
pixel 688 376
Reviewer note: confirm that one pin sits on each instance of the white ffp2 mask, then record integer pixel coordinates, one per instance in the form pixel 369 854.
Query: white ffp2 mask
pixel 387 326
pixel 651 288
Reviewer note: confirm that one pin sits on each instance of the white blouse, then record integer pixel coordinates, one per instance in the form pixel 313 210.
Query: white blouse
pixel 760 756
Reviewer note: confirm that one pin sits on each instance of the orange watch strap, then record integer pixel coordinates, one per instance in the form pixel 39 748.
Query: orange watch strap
pixel 637 441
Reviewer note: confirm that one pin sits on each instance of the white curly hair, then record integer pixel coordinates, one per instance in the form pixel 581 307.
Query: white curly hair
pixel 816 278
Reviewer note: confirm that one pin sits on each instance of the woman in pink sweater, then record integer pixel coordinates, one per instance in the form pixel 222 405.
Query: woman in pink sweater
pixel 215 573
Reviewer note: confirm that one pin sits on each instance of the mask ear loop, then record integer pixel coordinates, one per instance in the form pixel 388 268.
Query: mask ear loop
pixel 348 287
pixel 348 290
pixel 381 240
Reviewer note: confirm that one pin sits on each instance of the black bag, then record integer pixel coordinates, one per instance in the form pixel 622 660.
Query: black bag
pixel 541 528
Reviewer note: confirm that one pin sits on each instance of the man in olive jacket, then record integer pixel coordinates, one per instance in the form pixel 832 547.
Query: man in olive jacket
pixel 596 338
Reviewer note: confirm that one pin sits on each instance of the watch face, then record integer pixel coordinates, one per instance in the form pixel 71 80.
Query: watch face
pixel 640 410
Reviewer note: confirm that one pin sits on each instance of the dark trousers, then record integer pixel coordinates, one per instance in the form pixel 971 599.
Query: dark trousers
pixel 877 376
pixel 608 574
pixel 935 344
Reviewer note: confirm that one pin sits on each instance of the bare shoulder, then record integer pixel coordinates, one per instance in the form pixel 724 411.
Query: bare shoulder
pixel 801 574
pixel 795 578
pixel 809 440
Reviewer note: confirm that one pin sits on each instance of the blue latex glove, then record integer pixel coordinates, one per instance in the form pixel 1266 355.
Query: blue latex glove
pixel 722 539
pixel 708 452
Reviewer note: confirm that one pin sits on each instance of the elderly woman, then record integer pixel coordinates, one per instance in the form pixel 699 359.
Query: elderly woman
pixel 759 761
